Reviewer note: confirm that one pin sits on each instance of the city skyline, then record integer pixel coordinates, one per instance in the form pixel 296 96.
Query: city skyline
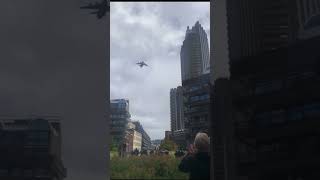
pixel 154 33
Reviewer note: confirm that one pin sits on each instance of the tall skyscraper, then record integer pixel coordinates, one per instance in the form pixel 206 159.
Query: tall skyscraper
pixel 195 69
pixel 194 54
pixel 176 109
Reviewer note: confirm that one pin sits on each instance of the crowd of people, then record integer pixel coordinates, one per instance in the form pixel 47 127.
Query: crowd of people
pixel 136 152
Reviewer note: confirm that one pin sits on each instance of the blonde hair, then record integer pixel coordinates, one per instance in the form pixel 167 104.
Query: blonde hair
pixel 201 142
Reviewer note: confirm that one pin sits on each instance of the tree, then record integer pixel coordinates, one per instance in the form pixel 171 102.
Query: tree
pixel 168 145
pixel 113 145
pixel 182 147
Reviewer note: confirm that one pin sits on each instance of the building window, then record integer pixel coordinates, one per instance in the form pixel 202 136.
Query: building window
pixel 312 110
pixel 194 88
pixel 295 113
pixel 263 119
pixel 194 98
pixel 266 119
pixel 4 172
pixel 200 97
pixel 268 86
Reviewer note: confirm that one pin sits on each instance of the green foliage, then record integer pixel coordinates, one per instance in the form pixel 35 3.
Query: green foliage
pixel 181 147
pixel 146 167
pixel 113 154
pixel 168 145
pixel 113 146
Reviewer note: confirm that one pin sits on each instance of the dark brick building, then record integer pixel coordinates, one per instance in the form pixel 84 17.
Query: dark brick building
pixel 30 149
pixel 266 93
pixel 196 94
pixel 276 106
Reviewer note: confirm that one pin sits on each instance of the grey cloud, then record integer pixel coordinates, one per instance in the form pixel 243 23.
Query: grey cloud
pixel 152 32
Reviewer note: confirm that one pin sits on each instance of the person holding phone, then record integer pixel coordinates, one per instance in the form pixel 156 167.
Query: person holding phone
pixel 197 161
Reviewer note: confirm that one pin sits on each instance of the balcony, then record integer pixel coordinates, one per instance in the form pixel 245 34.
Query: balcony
pixel 282 90
pixel 289 129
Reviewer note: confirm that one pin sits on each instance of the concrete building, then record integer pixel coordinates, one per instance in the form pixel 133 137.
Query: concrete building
pixel 276 112
pixel 253 27
pixel 265 89
pixel 120 116
pixel 168 135
pixel 131 125
pixel 137 140
pixel 194 54
pixel 30 148
pixel 179 137
pixel 257 26
pixel 196 94
pixel 176 109
pixel 146 141
pixel 133 138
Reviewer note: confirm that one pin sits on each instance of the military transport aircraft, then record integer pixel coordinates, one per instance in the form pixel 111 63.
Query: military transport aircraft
pixel 141 64
pixel 101 8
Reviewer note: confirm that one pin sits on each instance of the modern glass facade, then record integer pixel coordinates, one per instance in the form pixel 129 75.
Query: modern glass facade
pixel 120 116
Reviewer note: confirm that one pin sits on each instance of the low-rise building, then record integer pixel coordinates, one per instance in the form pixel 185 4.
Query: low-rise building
pixel 146 141
pixel 137 140
pixel 133 138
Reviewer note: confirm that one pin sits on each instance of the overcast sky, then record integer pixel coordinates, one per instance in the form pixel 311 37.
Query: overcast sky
pixel 152 32
pixel 53 62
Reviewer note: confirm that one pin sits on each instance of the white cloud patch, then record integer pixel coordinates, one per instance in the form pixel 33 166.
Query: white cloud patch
pixel 152 32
